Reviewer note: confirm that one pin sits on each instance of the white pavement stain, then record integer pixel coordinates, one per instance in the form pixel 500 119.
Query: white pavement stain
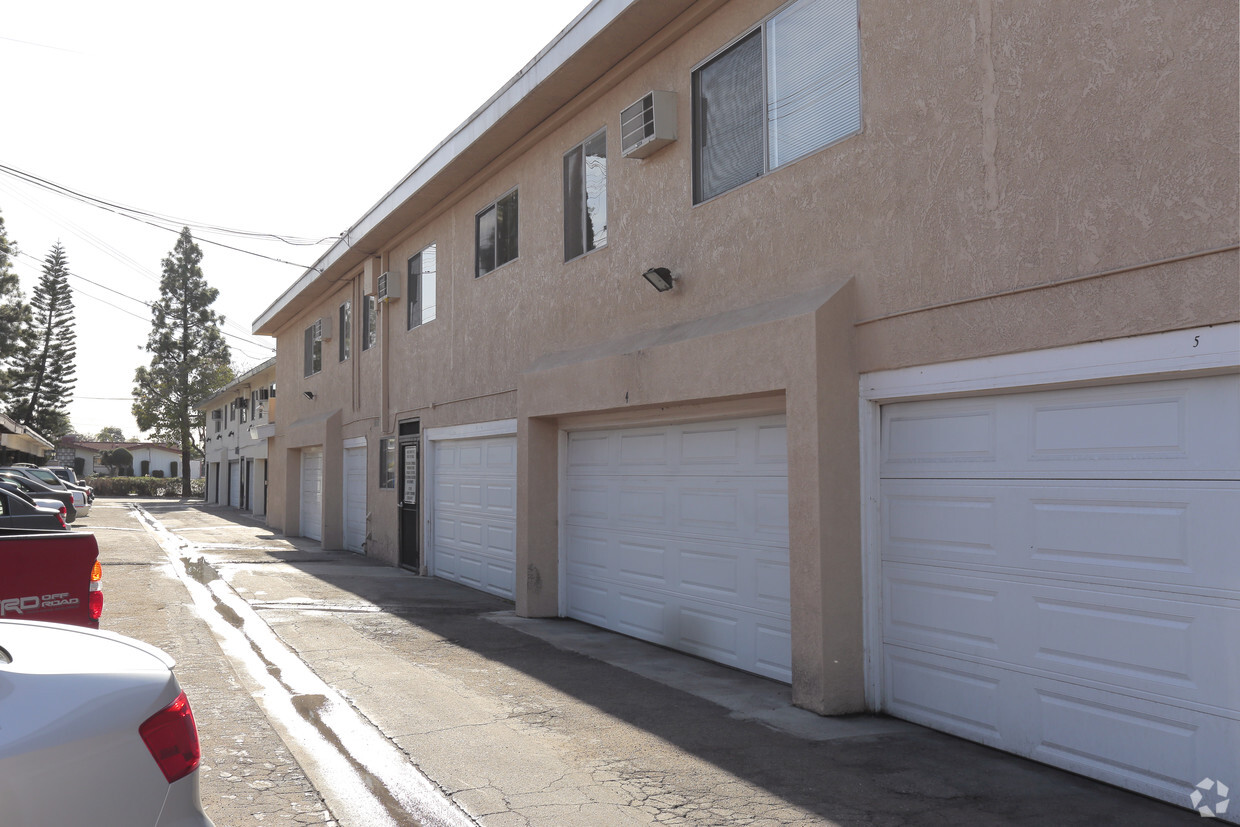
pixel 367 781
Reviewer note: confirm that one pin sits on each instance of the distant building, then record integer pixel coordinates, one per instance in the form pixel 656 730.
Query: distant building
pixel 239 420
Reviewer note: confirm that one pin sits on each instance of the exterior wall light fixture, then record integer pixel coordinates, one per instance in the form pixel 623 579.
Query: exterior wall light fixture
pixel 308 394
pixel 660 278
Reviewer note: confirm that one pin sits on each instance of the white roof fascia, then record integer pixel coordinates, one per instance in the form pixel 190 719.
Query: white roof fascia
pixel 232 386
pixel 587 25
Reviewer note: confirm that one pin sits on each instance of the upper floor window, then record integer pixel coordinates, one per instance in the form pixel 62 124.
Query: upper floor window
pixel 585 196
pixel 420 289
pixel 370 323
pixel 786 89
pixel 313 356
pixel 496 235
pixel 346 329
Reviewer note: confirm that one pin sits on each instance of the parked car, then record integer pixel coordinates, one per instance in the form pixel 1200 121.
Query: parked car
pixel 45 478
pixel 51 576
pixel 96 731
pixel 36 490
pixel 51 480
pixel 19 511
pixel 70 477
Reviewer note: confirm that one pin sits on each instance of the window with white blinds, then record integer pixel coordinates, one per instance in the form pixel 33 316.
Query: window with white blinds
pixel 787 89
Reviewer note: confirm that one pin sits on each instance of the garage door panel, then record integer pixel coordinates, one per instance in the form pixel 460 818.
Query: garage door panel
pixel 1126 740
pixel 474 513
pixel 1152 532
pixel 679 535
pixel 312 493
pixel 962 698
pixel 713 635
pixel 773 643
pixel 355 498
pixel 752 447
pixel 740 574
pixel 1061 576
pixel 720 507
pixel 1163 429
pixel 1153 647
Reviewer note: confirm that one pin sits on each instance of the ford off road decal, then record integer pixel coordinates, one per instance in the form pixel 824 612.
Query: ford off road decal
pixel 36 603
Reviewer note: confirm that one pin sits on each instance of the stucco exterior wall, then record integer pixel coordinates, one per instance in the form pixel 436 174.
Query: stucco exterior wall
pixel 1026 177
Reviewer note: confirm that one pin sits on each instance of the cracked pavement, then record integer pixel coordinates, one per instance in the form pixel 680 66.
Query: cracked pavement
pixel 540 722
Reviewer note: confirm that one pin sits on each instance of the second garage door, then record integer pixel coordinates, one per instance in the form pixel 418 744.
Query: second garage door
pixel 474 510
pixel 679 535
pixel 355 498
pixel 234 483
pixel 1061 576
pixel 312 493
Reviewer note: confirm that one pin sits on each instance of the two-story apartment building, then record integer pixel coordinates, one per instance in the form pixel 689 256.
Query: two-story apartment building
pixel 239 421
pixel 885 350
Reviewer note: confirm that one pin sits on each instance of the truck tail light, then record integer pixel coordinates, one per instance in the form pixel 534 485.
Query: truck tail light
pixel 96 575
pixel 172 737
pixel 96 604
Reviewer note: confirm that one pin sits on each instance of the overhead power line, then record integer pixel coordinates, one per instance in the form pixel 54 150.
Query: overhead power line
pixel 146 304
pixel 170 223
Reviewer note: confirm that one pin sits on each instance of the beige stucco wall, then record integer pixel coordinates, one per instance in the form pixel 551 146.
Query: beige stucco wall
pixel 1028 176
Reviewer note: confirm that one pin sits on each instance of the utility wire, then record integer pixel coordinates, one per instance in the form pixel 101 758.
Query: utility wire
pixel 148 305
pixel 100 202
pixel 152 219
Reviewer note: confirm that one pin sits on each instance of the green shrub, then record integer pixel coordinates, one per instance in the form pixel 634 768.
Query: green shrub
pixel 145 487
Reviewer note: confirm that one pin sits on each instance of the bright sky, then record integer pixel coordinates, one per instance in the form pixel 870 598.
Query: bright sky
pixel 269 116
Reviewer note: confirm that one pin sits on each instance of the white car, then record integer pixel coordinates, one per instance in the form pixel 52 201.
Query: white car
pixel 94 729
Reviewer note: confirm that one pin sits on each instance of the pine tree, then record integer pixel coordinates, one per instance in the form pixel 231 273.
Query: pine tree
pixel 189 357
pixel 14 312
pixel 42 377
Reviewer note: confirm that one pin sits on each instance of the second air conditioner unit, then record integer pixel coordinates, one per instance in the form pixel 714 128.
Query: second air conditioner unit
pixel 648 124
pixel 388 288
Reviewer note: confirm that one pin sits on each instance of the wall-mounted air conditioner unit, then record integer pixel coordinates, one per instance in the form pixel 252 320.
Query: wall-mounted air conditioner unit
pixel 323 328
pixel 218 413
pixel 388 288
pixel 648 125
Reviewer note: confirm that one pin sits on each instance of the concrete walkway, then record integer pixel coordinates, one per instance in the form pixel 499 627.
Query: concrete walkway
pixel 552 722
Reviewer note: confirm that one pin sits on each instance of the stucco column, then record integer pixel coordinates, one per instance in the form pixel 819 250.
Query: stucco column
pixel 824 504
pixel 537 575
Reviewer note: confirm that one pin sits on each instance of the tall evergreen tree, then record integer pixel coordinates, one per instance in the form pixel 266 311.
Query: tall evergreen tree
pixel 42 377
pixel 14 312
pixel 189 357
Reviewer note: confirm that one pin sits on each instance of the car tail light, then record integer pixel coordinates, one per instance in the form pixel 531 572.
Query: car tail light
pixel 60 515
pixel 172 737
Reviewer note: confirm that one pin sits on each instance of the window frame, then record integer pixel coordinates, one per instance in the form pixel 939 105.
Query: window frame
pixel 344 319
pixel 370 322
pixel 494 209
pixel 583 245
pixel 695 115
pixel 312 350
pixel 387 457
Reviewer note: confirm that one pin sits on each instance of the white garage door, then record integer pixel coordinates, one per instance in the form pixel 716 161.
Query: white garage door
pixel 473 514
pixel 312 493
pixel 1061 577
pixel 355 498
pixel 234 484
pixel 679 535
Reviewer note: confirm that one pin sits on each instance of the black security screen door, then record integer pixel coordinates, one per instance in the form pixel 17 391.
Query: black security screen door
pixel 408 459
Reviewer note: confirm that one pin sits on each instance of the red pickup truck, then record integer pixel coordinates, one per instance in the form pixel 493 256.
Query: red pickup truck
pixel 52 576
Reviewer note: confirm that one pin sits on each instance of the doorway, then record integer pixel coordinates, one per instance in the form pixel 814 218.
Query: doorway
pixel 409 446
